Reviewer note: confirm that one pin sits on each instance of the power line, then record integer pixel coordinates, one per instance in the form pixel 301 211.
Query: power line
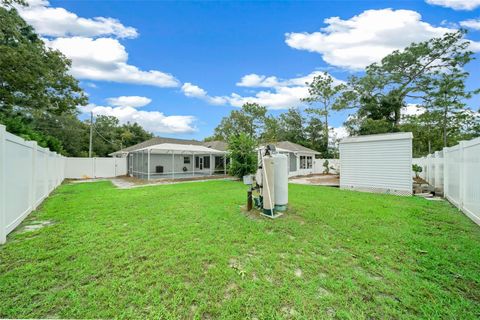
pixel 106 140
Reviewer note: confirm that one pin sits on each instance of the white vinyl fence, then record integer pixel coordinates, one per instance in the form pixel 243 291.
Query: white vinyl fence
pixel 432 169
pixel 333 164
pixel 86 168
pixel 28 173
pixel 456 171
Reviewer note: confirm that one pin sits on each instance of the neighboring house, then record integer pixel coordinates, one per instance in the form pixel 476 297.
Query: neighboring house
pixel 174 158
pixel 300 159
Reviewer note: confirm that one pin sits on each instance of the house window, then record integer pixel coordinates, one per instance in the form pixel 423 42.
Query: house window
pixel 303 164
pixel 206 162
pixel 306 162
pixel 309 162
pixel 197 162
pixel 186 160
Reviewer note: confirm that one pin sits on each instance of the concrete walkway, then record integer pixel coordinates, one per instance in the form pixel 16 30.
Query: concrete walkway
pixel 330 180
pixel 128 182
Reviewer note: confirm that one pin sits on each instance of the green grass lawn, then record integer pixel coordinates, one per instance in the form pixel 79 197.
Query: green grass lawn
pixel 189 251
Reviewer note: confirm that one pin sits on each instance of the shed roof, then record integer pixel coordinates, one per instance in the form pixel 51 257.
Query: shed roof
pixel 378 137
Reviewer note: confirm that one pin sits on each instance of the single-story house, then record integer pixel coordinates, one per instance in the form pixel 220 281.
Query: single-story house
pixel 174 158
pixel 169 157
pixel 300 158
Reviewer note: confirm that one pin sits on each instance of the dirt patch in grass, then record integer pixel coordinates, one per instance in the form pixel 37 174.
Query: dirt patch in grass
pixel 332 180
pixel 34 226
pixel 130 182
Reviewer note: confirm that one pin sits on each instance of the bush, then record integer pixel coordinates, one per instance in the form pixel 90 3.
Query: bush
pixel 327 168
pixel 243 155
pixel 417 169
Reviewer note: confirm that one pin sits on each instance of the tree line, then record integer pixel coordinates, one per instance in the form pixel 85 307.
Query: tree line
pixel 429 75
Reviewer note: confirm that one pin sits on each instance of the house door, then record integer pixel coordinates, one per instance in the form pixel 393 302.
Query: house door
pixel 130 164
pixel 199 163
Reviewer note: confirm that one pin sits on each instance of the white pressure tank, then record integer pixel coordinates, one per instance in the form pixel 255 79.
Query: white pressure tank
pixel 268 185
pixel 281 181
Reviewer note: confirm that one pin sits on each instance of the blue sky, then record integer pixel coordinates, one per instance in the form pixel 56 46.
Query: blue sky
pixel 200 51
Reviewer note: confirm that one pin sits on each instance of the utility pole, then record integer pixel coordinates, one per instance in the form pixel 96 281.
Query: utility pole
pixel 91 135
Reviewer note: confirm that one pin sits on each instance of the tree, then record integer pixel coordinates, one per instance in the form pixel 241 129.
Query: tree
pixel 8 3
pixel 109 136
pixel 249 120
pixel 271 132
pixel 323 92
pixel 242 152
pixel 381 93
pixel 315 135
pixel 428 132
pixel 292 126
pixel 133 133
pixel 34 81
pixel 445 96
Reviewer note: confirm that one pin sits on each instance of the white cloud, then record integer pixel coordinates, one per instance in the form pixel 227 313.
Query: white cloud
pixel 278 98
pixel 129 101
pixel 277 93
pixel 412 110
pixel 471 24
pixel 106 59
pixel 282 93
pixel 340 132
pixel 255 81
pixel 193 91
pixel 366 38
pixel 153 121
pixel 58 22
pixel 456 4
pixel 260 81
pixel 91 44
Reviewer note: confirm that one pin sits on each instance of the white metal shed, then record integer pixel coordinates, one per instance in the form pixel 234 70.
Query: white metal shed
pixel 377 163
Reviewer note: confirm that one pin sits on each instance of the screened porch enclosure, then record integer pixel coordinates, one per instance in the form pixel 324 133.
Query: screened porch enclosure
pixel 176 162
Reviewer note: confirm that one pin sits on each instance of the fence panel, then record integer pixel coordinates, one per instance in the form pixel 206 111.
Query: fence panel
pixel 41 191
pixel 452 174
pixel 86 168
pixel 17 180
pixel 471 176
pixel 28 173
pixel 104 167
pixel 333 164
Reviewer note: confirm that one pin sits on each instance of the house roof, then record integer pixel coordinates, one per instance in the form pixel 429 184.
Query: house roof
pixel 180 148
pixel 293 147
pixel 155 141
pixel 218 145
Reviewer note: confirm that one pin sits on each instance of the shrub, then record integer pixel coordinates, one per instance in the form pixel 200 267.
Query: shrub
pixel 243 155
pixel 327 168
pixel 417 169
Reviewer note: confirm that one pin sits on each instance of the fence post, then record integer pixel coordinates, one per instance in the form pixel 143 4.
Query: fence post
pixel 3 220
pixel 445 172
pixel 45 156
pixel 93 167
pixel 33 180
pixel 461 180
